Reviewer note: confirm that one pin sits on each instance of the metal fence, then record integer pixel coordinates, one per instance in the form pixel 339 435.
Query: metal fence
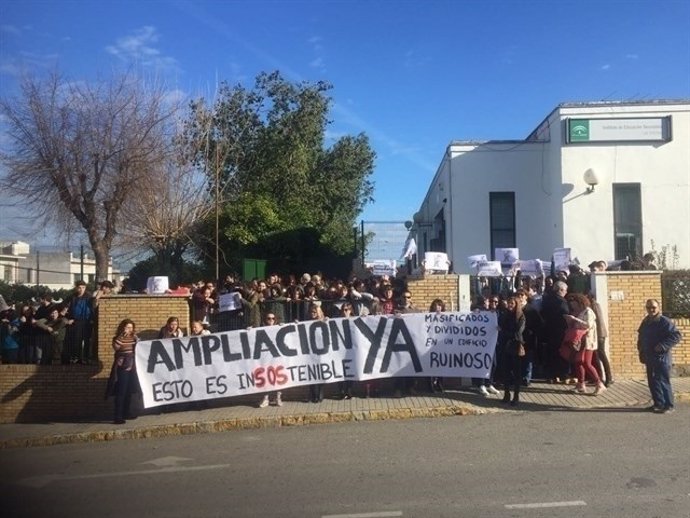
pixel 384 240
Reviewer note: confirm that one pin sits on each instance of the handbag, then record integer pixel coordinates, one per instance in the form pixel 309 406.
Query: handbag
pixel 572 343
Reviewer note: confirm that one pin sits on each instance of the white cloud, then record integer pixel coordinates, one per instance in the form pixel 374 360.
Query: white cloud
pixel 315 42
pixel 317 63
pixel 631 56
pixel 605 67
pixel 27 61
pixel 139 48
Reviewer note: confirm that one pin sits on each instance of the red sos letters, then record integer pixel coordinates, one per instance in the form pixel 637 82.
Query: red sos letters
pixel 269 375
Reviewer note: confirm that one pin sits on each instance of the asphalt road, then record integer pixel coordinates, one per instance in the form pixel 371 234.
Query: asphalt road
pixel 606 463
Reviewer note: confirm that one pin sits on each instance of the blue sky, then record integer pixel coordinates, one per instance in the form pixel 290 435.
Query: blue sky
pixel 413 75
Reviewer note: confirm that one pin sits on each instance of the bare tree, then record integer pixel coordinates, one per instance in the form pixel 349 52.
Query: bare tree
pixel 164 215
pixel 79 151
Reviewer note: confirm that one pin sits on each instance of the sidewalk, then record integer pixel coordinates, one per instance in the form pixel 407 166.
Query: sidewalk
pixel 537 397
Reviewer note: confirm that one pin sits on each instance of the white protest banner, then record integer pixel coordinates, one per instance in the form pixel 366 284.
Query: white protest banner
pixel 489 269
pixel 384 267
pixel 277 357
pixel 436 261
pixel 561 259
pixel 229 301
pixel 474 259
pixel 532 268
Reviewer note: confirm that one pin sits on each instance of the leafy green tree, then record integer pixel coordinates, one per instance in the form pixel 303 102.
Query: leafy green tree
pixel 263 151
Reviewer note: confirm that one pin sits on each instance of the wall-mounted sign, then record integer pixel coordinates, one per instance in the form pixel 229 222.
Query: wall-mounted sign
pixel 648 129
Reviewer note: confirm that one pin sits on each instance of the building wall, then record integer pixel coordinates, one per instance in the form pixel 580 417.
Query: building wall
pixel 60 270
pixel 662 169
pixel 552 207
pixel 475 171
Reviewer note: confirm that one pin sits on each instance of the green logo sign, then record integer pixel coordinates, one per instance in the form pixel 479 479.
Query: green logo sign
pixel 578 130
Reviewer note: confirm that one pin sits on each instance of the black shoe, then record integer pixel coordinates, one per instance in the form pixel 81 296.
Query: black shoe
pixel 515 402
pixel 506 398
pixel 119 421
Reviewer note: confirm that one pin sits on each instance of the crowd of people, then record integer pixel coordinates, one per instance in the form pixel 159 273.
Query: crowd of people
pixel 549 328
pixel 48 331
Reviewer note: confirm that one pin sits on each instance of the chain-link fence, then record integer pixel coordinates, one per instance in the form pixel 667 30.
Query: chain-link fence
pixel 382 240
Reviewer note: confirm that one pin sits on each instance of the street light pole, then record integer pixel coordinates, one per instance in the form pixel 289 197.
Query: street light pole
pixel 217 214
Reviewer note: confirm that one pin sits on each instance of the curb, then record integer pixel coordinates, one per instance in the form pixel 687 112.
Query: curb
pixel 225 425
pixel 155 431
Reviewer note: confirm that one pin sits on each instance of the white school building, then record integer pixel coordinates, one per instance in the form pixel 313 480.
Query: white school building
pixel 610 180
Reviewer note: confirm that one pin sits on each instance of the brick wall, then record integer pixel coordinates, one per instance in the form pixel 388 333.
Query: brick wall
pixel 52 392
pixel 429 287
pixel 626 295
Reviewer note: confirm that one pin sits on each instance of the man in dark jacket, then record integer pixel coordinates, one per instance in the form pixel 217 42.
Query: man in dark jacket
pixel 553 310
pixel 655 338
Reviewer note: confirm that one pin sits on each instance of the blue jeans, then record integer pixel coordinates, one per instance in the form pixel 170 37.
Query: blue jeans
pixel 659 380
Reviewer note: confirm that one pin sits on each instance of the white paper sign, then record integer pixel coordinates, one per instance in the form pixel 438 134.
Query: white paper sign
pixel 262 359
pixel 489 269
pixel 229 301
pixel 383 267
pixel 474 259
pixel 156 285
pixel 561 259
pixel 507 256
pixel 531 268
pixel 436 261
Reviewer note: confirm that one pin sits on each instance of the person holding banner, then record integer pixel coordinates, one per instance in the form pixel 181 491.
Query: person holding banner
pixel 270 319
pixel 316 390
pixel 123 381
pixel 436 384
pixel 346 311
pixel 512 328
